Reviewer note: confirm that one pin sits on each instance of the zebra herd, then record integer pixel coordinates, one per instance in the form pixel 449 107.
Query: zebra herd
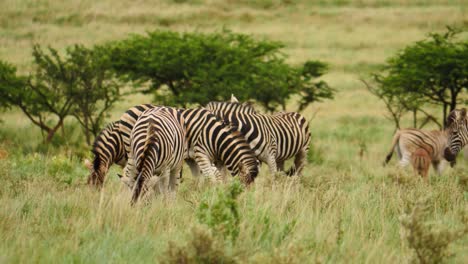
pixel 151 142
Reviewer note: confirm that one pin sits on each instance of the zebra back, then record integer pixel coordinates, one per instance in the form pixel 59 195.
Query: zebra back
pixel 230 108
pixel 128 120
pixel 283 133
pixel 207 134
pixel 157 146
pixel 107 149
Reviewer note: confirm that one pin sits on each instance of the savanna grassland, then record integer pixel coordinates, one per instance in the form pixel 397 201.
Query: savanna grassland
pixel 347 208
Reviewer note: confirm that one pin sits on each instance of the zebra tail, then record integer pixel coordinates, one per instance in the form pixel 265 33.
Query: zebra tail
pixel 141 166
pixel 395 140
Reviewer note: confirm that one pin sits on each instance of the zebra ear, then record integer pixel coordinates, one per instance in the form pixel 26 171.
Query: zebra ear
pixel 234 99
pixel 88 164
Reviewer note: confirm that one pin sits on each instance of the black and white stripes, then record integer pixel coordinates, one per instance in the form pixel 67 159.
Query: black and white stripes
pixel 157 150
pixel 457 127
pixel 274 138
pixel 108 148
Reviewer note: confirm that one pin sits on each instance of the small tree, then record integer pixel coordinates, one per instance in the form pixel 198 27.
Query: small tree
pixel 95 91
pixel 41 96
pixel 433 71
pixel 198 68
pixel 78 85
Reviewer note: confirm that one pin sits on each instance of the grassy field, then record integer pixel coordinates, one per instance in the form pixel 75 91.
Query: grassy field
pixel 346 208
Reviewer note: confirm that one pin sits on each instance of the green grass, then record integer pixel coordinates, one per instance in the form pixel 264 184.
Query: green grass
pixel 346 208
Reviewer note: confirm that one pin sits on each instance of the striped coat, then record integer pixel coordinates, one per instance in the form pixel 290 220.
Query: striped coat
pixel 274 138
pixel 157 149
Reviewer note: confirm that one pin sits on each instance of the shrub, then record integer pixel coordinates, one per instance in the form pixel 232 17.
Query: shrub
pixel 429 243
pixel 221 214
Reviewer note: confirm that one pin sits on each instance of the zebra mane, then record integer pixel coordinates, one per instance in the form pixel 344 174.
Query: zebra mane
pixel 245 105
pixel 455 115
pixel 97 161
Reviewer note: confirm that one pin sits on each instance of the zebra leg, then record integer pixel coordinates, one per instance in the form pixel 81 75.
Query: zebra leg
pixel 280 165
pixel 222 170
pixel 193 167
pixel 271 161
pixel 207 167
pixel 300 161
pixel 212 173
pixel 438 166
pixel 174 179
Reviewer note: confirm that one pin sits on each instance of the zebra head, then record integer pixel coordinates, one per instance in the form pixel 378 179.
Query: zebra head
pixel 248 171
pixel 457 126
pixel 129 175
pixel 97 171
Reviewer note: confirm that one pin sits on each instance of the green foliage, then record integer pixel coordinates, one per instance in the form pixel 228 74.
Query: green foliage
pixel 198 68
pixel 96 91
pixel 10 84
pixel 79 84
pixel 431 71
pixel 221 214
pixel 429 243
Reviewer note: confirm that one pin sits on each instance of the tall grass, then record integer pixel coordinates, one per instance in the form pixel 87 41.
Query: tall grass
pixel 346 208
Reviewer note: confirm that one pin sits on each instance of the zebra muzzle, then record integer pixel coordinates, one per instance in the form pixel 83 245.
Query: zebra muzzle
pixel 448 155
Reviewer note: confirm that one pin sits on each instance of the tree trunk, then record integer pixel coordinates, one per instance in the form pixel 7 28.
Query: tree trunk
pixel 88 140
pixel 415 118
pixel 52 131
pixel 453 100
pixel 444 117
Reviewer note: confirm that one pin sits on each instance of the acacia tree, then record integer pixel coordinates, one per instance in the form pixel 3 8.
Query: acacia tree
pixel 41 96
pixel 96 89
pixel 77 84
pixel 433 71
pixel 198 68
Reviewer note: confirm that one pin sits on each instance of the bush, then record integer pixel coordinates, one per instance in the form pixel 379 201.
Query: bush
pixel 221 214
pixel 429 243
pixel 198 68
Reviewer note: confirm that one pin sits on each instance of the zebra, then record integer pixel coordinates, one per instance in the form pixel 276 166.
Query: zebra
pixel 128 120
pixel 210 143
pixel 406 141
pixel 107 149
pixel 457 127
pixel 274 138
pixel 157 150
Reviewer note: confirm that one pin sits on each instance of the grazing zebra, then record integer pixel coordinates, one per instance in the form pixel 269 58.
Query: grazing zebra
pixel 210 142
pixel 274 138
pixel 128 120
pixel 157 150
pixel 407 141
pixel 107 149
pixel 457 127
pixel 421 161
